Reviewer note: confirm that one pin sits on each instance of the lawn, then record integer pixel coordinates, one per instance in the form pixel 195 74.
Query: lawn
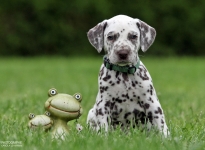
pixel 24 83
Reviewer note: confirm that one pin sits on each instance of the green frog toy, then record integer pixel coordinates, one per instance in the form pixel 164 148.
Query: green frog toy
pixel 43 121
pixel 63 108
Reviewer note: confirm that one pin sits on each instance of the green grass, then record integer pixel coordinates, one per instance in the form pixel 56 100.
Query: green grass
pixel 24 82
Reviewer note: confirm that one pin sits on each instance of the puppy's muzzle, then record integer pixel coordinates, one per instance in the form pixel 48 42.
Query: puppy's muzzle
pixel 123 54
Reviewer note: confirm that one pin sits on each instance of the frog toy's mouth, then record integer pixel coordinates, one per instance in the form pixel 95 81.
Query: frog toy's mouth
pixel 45 125
pixel 59 112
pixel 69 112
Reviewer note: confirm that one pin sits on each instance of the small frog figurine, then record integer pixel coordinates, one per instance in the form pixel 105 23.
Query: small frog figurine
pixel 63 108
pixel 43 121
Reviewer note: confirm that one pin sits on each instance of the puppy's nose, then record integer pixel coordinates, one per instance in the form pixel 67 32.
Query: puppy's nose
pixel 122 54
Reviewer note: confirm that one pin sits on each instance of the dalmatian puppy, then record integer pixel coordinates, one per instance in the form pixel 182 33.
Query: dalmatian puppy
pixel 126 95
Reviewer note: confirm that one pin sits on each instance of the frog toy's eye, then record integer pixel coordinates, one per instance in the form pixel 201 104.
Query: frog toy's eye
pixel 52 92
pixel 47 113
pixel 78 96
pixel 31 115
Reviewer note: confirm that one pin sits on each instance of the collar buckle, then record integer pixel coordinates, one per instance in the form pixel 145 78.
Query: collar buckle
pixel 131 70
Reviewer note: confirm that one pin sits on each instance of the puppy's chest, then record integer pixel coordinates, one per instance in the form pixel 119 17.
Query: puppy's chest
pixel 112 81
pixel 120 91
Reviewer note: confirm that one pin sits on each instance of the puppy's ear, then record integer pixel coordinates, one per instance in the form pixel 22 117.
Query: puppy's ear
pixel 147 35
pixel 96 35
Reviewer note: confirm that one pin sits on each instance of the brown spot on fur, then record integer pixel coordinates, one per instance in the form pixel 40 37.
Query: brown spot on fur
pixel 117 74
pixel 159 110
pixel 107 77
pixel 101 72
pixel 133 84
pixel 99 112
pixel 103 88
pixel 125 76
pixel 150 117
pixel 99 102
pixel 143 73
pixel 151 100
pixel 146 106
pixel 126 115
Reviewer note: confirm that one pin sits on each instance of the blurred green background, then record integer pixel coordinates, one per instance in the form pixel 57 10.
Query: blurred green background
pixel 52 29
pixel 59 27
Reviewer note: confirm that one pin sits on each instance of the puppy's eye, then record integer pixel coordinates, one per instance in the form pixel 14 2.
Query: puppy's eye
pixel 111 37
pixel 133 37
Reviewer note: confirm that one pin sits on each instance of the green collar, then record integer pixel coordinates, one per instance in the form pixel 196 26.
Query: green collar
pixel 126 69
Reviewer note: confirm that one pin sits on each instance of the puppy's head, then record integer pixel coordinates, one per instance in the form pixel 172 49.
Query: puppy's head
pixel 121 37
